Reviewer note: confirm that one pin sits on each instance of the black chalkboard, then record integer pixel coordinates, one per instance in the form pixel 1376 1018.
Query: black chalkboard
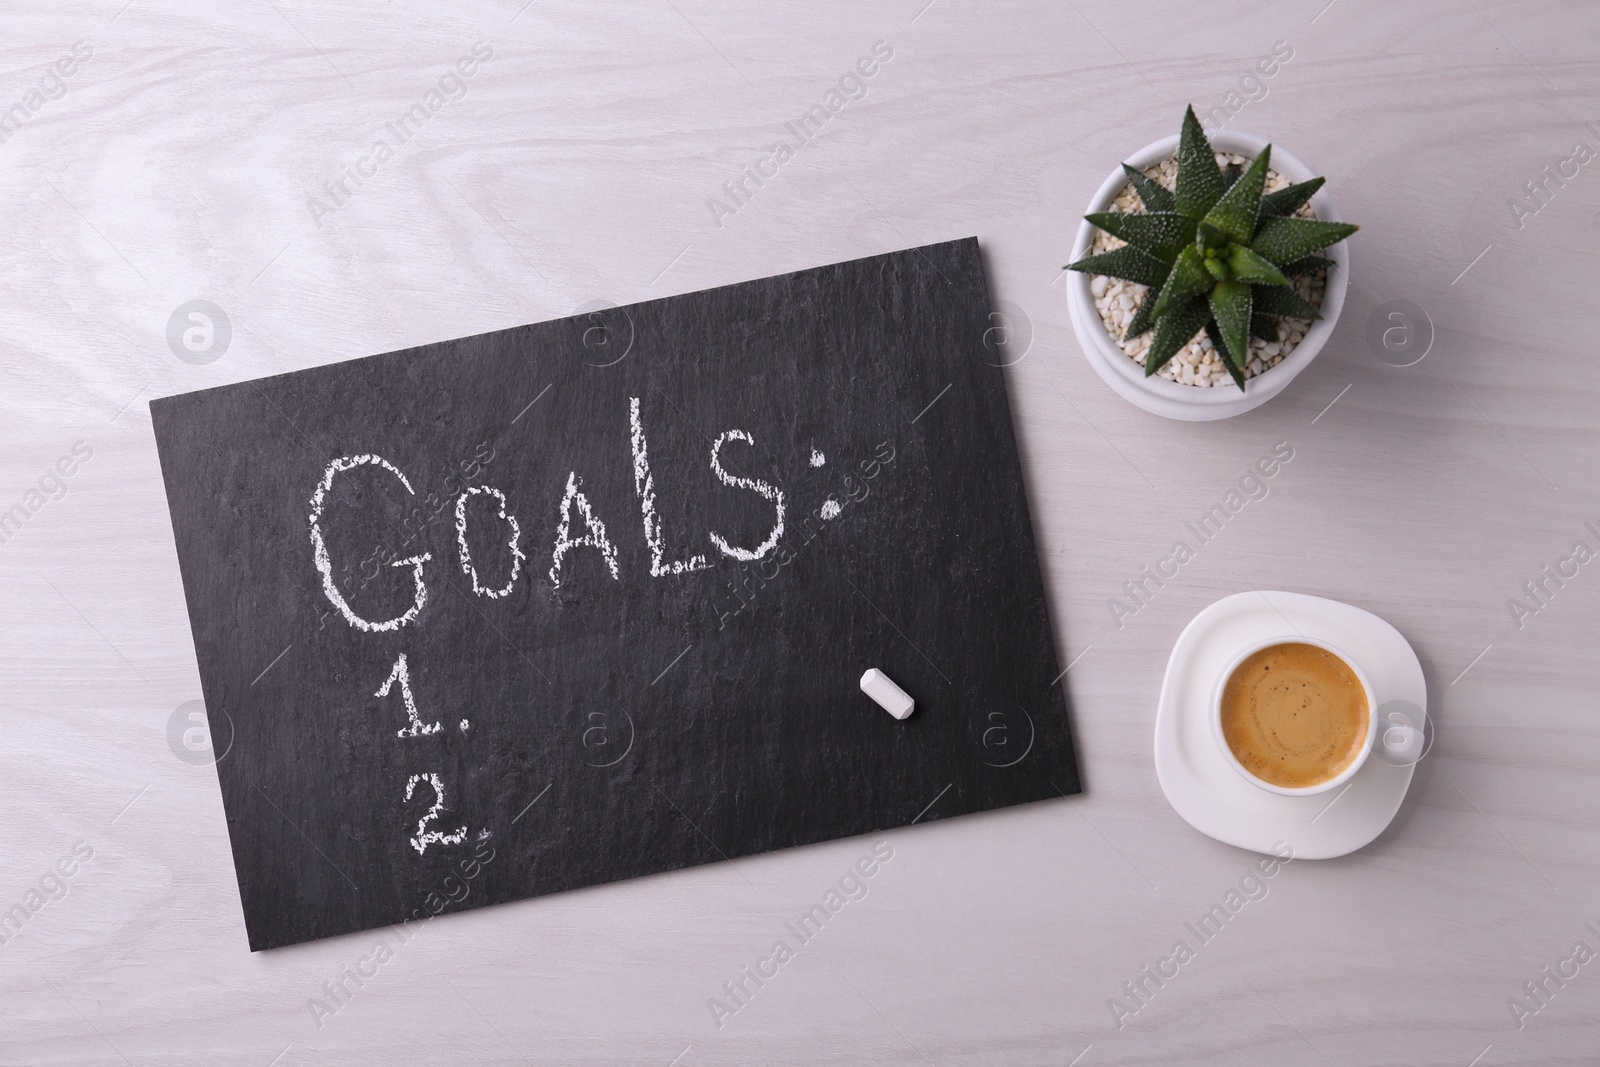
pixel 682 689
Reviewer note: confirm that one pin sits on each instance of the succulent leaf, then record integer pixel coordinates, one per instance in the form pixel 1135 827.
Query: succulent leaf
pixel 1189 278
pixel 1208 236
pixel 1284 303
pixel 1235 214
pixel 1307 265
pixel 1234 372
pixel 1199 184
pixel 1230 306
pixel 1288 201
pixel 1286 240
pixel 1174 330
pixel 1144 317
pixel 1161 233
pixel 1249 267
pixel 1263 326
pixel 1129 263
pixel 1152 194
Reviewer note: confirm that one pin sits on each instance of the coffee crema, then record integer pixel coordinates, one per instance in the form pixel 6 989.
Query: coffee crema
pixel 1294 715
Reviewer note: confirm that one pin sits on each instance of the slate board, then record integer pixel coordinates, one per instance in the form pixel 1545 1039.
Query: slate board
pixel 615 726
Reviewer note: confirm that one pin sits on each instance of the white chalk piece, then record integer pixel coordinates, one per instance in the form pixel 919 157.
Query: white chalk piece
pixel 890 697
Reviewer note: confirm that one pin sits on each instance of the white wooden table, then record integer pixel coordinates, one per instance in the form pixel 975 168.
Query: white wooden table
pixel 576 164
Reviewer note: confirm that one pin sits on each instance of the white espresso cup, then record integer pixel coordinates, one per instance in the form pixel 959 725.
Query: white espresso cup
pixel 1337 780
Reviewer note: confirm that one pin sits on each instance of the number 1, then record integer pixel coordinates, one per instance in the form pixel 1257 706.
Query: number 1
pixel 416 729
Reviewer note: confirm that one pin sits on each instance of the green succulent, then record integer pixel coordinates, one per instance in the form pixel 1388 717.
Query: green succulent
pixel 1215 253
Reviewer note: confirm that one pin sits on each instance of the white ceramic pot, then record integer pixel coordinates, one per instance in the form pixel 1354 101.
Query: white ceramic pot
pixel 1188 402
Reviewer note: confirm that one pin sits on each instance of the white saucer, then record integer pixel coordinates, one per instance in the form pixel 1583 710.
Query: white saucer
pixel 1212 796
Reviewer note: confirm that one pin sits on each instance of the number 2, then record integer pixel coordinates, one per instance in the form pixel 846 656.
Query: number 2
pixel 424 836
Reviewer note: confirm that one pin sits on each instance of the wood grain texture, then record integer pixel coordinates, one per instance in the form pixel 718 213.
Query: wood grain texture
pixel 576 167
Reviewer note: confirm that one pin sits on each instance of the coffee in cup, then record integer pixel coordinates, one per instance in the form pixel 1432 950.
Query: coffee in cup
pixel 1295 715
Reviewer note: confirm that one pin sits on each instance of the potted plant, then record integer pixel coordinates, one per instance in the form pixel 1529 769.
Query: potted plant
pixel 1207 274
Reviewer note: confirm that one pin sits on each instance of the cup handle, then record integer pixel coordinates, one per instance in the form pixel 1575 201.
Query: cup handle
pixel 1403 733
